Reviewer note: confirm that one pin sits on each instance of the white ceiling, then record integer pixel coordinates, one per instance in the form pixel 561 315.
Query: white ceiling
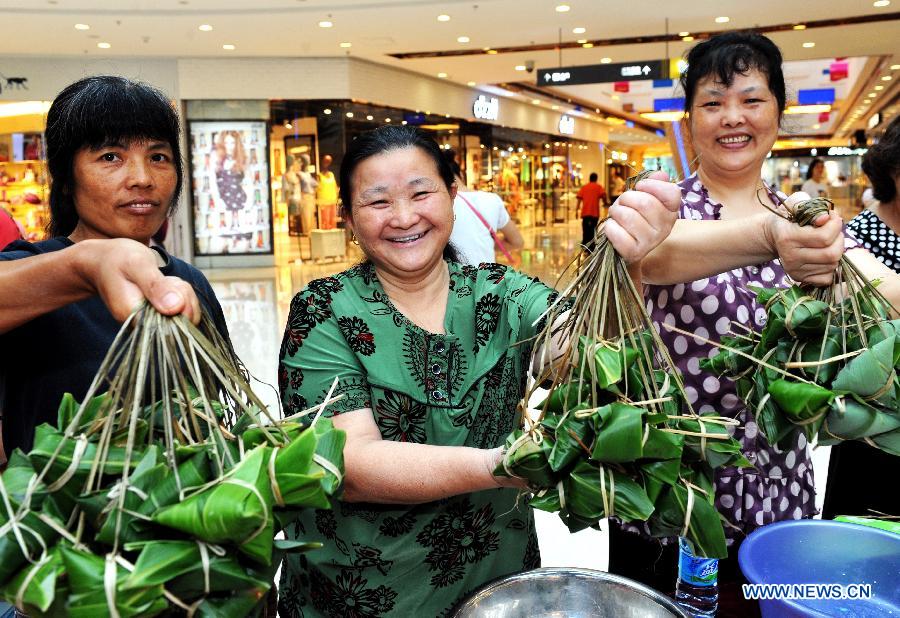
pixel 376 28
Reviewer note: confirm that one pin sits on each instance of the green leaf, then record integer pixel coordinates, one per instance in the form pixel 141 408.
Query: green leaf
pixel 867 374
pixel 161 561
pixel 802 401
pixel 572 438
pixel 41 577
pixel 584 497
pixel 619 435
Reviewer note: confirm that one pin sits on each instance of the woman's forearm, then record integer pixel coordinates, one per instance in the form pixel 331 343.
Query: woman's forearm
pixel 698 249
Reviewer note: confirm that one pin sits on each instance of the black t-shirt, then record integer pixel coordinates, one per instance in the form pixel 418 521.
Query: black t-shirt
pixel 61 351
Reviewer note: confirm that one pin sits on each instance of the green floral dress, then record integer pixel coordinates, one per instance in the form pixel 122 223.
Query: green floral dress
pixel 457 389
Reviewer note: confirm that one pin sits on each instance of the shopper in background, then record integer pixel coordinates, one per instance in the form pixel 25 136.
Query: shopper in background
pixel 422 348
pixel 616 185
pixel 815 185
pixel 327 195
pixel 589 198
pixel 481 225
pixel 9 229
pixel 724 242
pixel 852 489
pixel 114 158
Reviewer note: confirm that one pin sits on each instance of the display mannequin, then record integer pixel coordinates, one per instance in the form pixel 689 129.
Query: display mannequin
pixel 326 195
pixel 290 186
pixel 308 184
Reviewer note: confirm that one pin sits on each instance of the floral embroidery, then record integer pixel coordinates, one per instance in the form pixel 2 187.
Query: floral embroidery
pixel 306 312
pixel 394 527
pixel 401 418
pixel 357 334
pixel 487 316
pixel 348 597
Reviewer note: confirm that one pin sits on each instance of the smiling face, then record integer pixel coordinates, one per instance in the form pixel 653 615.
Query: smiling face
pixel 123 190
pixel 401 212
pixel 733 128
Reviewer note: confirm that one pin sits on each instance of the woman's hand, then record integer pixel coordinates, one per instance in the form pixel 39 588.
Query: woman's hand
pixel 809 254
pixel 125 272
pixel 642 218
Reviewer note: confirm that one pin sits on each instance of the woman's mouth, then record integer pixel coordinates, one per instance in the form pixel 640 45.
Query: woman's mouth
pixel 733 140
pixel 138 207
pixel 407 239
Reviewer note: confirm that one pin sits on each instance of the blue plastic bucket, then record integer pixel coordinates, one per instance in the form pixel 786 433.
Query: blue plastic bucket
pixel 812 551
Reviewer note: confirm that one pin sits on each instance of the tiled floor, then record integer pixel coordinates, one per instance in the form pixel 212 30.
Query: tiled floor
pixel 256 302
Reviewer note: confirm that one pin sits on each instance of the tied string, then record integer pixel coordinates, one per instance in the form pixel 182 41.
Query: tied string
pixel 205 548
pixel 690 504
pixel 32 573
pixel 531 431
pixel 323 461
pixel 109 585
pixel 81 444
pixel 609 497
pixel 273 478
pixel 262 501
pixel 788 324
pixel 16 526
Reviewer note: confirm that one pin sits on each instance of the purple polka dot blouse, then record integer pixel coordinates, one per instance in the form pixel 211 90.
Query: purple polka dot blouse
pixel 781 484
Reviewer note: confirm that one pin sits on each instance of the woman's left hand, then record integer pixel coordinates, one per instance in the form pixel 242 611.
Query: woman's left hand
pixel 642 218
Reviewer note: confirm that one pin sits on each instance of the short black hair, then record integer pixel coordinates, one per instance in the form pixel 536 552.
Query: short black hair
pixel 93 112
pixel 812 167
pixel 730 53
pixel 593 177
pixel 384 139
pixel 882 163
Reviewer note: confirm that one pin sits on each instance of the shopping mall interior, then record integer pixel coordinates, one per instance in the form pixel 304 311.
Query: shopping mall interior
pixel 531 97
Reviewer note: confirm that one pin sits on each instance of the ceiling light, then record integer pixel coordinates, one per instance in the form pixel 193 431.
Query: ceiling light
pixel 462 39
pixel 895 67
pixel 470 83
pixel 370 117
pixel 808 109
pixel 346 44
pixel 443 18
pixel 104 45
pixel 520 67
pixel 491 51
pixel 554 107
pixel 799 26
pixel 581 41
pixel 605 60
pixel 403 122
pixel 578 30
pixel 349 114
pixel 82 27
pixel 687 39
pixel 228 46
pixel 615 97
pixel 871 94
pixel 387 119
pixel 881 3
pixel 879 87
pixel 683 34
pixel 817 126
pixel 325 24
pixel 204 28
pixel 886 78
pixel 587 45
pixel 663 116
pixel 288 125
pixel 442 75
pixel 562 8
pixel 809 44
pixel 723 20
pixel 535 101
pixel 326 111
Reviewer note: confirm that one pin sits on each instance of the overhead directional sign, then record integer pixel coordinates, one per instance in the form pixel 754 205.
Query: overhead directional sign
pixel 603 73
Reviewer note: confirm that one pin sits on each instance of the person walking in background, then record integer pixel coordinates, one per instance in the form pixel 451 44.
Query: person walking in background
pixel 9 229
pixel 589 198
pixel 481 224
pixel 816 185
pixel 616 185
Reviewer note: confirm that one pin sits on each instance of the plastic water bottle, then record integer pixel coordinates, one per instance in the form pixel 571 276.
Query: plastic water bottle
pixel 697 590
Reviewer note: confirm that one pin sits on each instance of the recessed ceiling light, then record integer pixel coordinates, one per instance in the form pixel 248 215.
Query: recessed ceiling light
pixel 881 3
pixel 562 8
pixel 442 75
pixel 403 122
pixel 204 28
pixel 326 111
pixel 871 94
pixel 723 20
pixel 470 83
pixel 809 44
pixel 587 45
pixel 520 67
pixel 325 24
pixel 615 97
pixel 349 114
pixel 554 107
pixel 886 78
pixel 578 30
pixel 104 45
pixel 82 27
pixel 491 51
pixel 346 44
pixel 462 39
pixel 605 60
pixel 682 34
pixel 879 87
pixel 370 117
pixel 687 39
pixel 443 18
pixel 387 119
pixel 581 41
pixel 288 125
pixel 535 101
pixel 799 26
pixel 228 46
pixel 817 126
pixel 895 67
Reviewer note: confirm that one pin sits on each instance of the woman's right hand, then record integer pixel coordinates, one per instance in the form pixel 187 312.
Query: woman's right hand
pixel 124 272
pixel 642 218
pixel 809 254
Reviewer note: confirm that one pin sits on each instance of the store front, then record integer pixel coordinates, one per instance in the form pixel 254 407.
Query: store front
pixel 24 188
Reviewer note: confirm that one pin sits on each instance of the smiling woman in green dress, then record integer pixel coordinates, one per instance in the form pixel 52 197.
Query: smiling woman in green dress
pixel 423 351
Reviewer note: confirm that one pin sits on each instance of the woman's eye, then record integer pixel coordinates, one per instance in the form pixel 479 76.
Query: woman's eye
pixel 710 104
pixel 109 156
pixel 378 204
pixel 420 194
pixel 159 157
pixel 754 100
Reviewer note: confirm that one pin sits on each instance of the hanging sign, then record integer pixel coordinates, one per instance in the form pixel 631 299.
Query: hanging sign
pixel 603 73
pixel 567 125
pixel 486 108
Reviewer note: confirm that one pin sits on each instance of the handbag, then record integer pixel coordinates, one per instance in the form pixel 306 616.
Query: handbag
pixel 491 230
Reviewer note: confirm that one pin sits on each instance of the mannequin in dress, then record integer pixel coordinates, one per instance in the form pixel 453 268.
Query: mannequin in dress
pixel 326 195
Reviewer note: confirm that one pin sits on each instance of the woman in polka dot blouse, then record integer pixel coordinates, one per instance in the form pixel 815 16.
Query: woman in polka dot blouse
pixel 852 488
pixel 724 242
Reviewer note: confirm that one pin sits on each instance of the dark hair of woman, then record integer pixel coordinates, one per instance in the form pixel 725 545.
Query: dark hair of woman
pixel 386 139
pixel 101 111
pixel 882 163
pixel 812 167
pixel 728 54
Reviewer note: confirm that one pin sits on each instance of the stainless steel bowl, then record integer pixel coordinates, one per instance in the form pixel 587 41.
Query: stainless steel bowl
pixel 567 593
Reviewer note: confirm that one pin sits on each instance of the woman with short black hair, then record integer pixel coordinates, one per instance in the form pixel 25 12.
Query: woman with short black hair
pixel 116 172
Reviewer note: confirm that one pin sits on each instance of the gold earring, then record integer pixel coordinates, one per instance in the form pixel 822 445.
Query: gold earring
pixel 353 238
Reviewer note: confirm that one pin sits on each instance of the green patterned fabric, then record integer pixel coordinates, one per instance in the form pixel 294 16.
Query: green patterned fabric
pixel 457 389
